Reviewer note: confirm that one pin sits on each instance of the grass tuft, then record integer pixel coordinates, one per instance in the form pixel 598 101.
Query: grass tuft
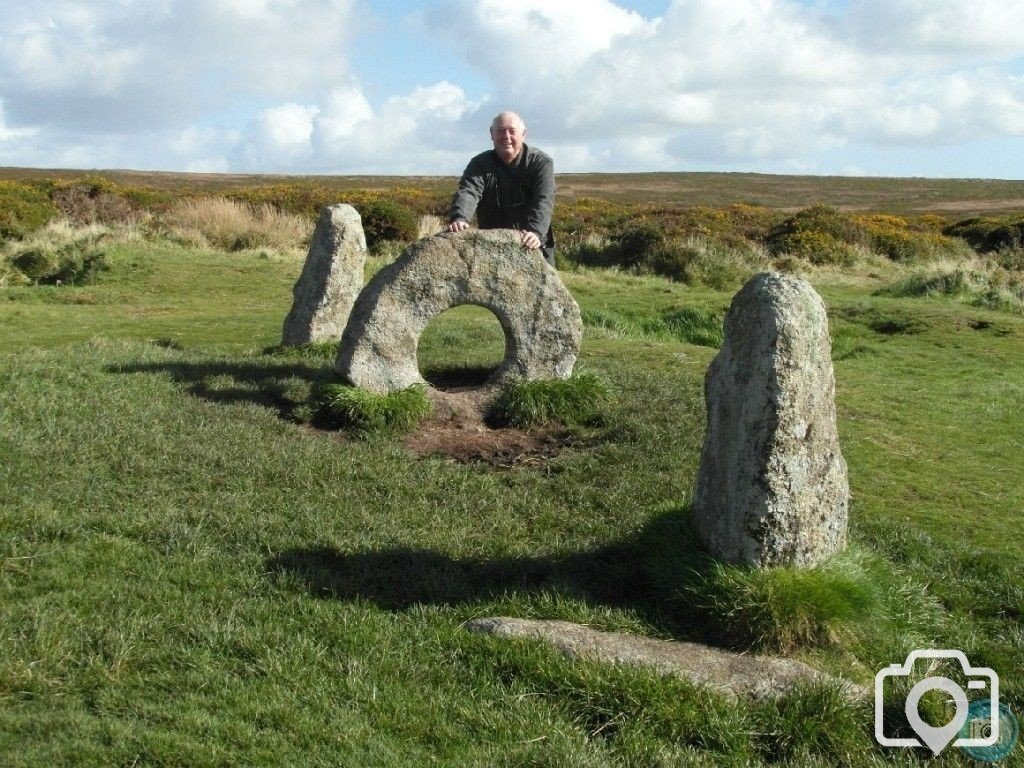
pixel 578 400
pixel 369 413
pixel 231 225
pixel 855 600
pixel 786 608
pixel 992 288
pixel 695 325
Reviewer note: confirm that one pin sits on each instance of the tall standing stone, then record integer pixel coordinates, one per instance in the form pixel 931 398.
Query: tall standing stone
pixel 772 487
pixel 331 278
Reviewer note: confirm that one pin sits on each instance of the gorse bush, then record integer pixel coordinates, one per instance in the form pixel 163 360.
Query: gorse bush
pixel 231 225
pixel 578 400
pixel 987 234
pixel 364 412
pixel 24 208
pixel 387 220
pixel 820 234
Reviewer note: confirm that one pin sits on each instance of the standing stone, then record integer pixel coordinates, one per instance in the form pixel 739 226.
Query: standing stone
pixel 772 487
pixel 331 278
pixel 488 268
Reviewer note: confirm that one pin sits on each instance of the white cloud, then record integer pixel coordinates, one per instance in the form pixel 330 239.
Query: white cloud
pixel 102 67
pixel 990 28
pixel 752 80
pixel 266 85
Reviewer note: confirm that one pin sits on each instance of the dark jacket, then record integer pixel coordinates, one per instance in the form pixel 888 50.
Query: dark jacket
pixel 516 196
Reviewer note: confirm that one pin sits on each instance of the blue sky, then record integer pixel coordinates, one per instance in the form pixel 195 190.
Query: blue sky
pixel 855 87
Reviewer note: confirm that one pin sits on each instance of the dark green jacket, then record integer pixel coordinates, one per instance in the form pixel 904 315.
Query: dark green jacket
pixel 516 196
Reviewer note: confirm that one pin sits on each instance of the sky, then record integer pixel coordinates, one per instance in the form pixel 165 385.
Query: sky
pixel 827 87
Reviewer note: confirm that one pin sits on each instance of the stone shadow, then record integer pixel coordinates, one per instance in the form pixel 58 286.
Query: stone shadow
pixel 278 386
pixel 641 573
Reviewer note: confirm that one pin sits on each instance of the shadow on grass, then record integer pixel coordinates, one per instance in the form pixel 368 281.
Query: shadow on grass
pixel 454 378
pixel 280 386
pixel 627 574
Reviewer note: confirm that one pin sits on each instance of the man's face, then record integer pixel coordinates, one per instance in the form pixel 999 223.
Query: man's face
pixel 507 136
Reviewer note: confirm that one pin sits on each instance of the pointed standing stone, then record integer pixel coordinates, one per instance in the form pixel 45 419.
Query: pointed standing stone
pixel 331 278
pixel 772 487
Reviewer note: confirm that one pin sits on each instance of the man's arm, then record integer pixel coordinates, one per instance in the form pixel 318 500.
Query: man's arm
pixel 542 205
pixel 467 196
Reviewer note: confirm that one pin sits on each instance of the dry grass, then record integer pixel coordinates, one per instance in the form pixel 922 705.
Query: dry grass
pixel 60 233
pixel 430 225
pixel 234 226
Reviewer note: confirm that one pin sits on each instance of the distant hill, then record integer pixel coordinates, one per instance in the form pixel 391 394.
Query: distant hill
pixel 950 197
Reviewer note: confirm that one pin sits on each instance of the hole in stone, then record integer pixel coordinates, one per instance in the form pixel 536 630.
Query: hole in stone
pixel 461 348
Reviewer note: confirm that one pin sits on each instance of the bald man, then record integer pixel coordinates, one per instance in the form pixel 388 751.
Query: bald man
pixel 509 187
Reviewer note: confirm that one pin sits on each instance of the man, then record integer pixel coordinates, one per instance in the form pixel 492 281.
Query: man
pixel 509 187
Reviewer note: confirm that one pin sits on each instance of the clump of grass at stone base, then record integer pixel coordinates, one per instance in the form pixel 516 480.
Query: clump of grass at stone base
pixel 579 400
pixel 368 413
pixel 856 599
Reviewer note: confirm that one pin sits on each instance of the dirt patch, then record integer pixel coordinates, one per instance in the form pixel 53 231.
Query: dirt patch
pixel 460 431
pixel 504 448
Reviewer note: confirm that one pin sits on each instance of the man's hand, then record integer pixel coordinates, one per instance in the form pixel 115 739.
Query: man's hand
pixel 458 225
pixel 529 239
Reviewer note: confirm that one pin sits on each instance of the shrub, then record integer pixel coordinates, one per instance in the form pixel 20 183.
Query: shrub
pixel 1005 236
pixel 816 247
pixel 591 250
pixel 820 219
pixel 894 238
pixel 637 242
pixel 367 412
pixel 35 263
pixel 699 261
pixel 10 275
pixel 578 400
pixel 1011 258
pixel 94 200
pixel 387 220
pixel 975 230
pixel 233 226
pixel 24 208
pixel 74 263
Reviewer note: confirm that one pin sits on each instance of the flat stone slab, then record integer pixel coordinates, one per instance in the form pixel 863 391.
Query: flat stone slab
pixel 728 673
pixel 491 269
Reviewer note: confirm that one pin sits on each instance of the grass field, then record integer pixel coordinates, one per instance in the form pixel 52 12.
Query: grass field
pixel 188 577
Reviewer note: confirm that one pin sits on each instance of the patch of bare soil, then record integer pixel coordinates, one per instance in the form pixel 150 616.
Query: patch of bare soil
pixel 459 431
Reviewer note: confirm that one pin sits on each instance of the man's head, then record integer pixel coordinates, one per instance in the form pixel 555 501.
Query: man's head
pixel 508 131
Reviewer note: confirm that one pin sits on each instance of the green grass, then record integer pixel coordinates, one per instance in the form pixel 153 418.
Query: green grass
pixel 370 413
pixel 578 400
pixel 189 577
pixel 979 288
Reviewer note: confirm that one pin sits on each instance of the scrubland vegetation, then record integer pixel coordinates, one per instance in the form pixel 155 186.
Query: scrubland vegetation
pixel 196 569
